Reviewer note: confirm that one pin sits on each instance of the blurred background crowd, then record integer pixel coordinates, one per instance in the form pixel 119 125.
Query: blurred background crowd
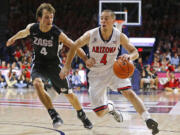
pixel 160 19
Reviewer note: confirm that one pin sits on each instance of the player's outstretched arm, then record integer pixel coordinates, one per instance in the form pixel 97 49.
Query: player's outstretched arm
pixel 69 43
pixel 83 40
pixel 133 53
pixel 21 34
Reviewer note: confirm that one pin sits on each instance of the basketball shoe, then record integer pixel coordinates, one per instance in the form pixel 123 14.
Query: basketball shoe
pixel 116 114
pixel 153 125
pixel 86 122
pixel 57 121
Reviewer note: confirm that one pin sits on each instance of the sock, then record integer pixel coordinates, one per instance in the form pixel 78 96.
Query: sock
pixel 145 115
pixel 52 113
pixel 110 107
pixel 81 114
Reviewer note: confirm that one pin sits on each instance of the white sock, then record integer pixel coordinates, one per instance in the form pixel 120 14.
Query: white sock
pixel 110 107
pixel 145 115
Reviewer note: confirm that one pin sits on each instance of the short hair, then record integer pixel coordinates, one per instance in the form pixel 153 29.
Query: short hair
pixel 111 12
pixel 46 6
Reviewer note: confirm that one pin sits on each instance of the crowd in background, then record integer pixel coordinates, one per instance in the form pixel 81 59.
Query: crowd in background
pixel 68 17
pixel 159 20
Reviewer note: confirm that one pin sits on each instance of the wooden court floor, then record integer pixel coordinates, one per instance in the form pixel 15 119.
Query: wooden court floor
pixel 21 113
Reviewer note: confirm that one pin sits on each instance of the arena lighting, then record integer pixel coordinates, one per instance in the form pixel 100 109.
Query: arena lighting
pixel 140 49
pixel 142 42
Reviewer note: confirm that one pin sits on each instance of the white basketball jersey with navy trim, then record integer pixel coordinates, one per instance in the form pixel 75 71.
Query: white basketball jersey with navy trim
pixel 105 52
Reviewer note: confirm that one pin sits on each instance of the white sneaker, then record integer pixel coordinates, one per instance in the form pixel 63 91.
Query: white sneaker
pixel 117 114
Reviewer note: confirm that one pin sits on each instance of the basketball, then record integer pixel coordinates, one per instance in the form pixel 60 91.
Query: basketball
pixel 123 69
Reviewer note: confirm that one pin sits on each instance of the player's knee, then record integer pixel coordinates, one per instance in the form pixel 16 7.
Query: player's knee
pixel 37 83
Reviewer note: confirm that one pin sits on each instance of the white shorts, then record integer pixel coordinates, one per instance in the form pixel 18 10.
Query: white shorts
pixel 98 83
pixel 147 80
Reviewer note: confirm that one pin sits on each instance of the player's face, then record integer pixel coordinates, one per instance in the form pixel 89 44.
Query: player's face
pixel 47 18
pixel 107 20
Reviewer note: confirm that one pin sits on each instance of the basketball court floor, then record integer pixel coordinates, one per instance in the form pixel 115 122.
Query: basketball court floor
pixel 21 113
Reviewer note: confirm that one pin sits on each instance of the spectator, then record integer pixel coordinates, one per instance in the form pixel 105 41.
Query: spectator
pixel 21 81
pixel 155 77
pixel 156 64
pixel 175 60
pixel 2 80
pixel 178 68
pixel 168 55
pixel 82 74
pixel 12 79
pixel 76 80
pixel 139 65
pixel 173 83
pixel 3 65
pixel 18 54
pixel 147 78
pixel 178 51
pixel 14 65
pixel 27 76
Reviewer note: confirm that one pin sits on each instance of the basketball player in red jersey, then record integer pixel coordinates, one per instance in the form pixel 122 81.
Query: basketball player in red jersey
pixel 46 38
pixel 103 45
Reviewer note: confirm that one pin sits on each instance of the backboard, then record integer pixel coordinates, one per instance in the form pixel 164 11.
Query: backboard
pixel 128 11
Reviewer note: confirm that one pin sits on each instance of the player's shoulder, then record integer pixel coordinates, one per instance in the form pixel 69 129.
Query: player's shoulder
pixel 116 30
pixel 94 30
pixel 32 25
pixel 119 33
pixel 56 29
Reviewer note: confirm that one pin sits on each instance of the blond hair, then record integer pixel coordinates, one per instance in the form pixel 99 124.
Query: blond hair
pixel 46 6
pixel 111 12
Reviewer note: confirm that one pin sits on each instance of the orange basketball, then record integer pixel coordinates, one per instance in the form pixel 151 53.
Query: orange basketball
pixel 123 69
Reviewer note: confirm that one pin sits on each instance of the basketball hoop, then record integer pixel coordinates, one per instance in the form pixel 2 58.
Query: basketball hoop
pixel 119 24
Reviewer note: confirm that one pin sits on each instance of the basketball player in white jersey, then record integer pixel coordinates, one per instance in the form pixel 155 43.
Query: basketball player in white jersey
pixel 103 45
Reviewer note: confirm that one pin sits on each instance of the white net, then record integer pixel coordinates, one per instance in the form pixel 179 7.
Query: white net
pixel 119 25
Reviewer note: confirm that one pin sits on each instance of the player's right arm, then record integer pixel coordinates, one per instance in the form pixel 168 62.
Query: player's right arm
pixel 21 34
pixel 80 42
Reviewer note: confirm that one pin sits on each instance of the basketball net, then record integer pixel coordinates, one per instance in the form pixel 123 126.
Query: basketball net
pixel 119 24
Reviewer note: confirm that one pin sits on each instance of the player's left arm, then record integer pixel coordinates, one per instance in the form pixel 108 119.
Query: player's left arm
pixel 132 51
pixel 69 43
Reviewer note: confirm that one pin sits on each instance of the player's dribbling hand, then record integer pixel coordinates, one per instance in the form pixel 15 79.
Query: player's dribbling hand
pixel 64 72
pixel 125 57
pixel 90 62
pixel 10 42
